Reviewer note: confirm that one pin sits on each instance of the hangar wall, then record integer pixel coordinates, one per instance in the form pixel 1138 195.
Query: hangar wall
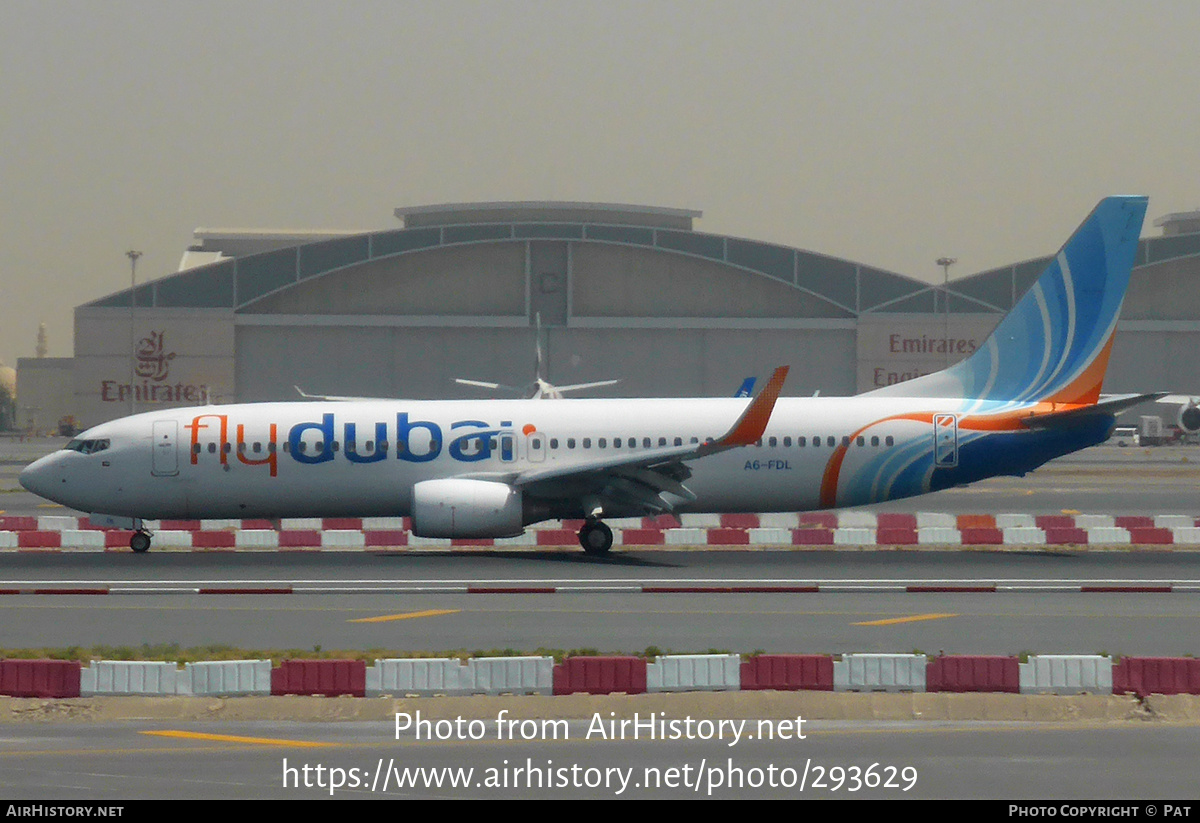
pixel 625 292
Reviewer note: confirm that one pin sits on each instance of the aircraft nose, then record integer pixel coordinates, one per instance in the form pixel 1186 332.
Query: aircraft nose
pixel 38 476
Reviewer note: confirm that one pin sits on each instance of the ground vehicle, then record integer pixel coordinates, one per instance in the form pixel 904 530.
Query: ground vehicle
pixel 1124 436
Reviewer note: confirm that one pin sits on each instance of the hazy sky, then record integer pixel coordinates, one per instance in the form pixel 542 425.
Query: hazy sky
pixel 890 133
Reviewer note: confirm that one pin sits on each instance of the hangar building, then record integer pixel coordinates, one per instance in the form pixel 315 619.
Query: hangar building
pixel 629 292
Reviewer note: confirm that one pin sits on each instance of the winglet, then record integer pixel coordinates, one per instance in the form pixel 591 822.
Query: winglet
pixel 753 422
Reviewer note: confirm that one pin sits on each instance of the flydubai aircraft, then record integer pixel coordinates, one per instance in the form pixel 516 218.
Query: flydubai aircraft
pixel 489 468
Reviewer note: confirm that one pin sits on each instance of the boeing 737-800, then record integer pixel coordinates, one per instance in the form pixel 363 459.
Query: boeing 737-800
pixel 488 468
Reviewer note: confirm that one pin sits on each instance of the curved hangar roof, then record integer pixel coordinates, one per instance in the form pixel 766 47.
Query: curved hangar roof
pixel 640 250
pixel 472 259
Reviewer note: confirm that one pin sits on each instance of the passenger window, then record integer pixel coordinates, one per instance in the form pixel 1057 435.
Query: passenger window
pixel 861 440
pixel 678 441
pixel 303 447
pixel 570 442
pixel 242 447
pixel 773 442
pixel 888 441
pixel 554 442
pixel 287 446
pixel 271 447
pixel 875 441
pixel 695 441
pixel 662 441
pixel 801 442
pixel 535 444
pixel 846 440
pixel 787 441
pixel 587 442
pixel 383 446
pixel 616 442
pixel 831 441
pixel 196 448
pixel 602 442
pixel 212 448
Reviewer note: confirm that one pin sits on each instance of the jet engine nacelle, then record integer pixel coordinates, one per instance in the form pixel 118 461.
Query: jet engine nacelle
pixel 456 507
pixel 1189 418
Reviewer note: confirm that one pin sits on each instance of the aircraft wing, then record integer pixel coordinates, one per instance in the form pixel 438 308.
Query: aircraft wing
pixel 638 479
pixel 1180 399
pixel 335 398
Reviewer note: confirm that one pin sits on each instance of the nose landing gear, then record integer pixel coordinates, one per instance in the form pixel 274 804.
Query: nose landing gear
pixel 140 541
pixel 595 538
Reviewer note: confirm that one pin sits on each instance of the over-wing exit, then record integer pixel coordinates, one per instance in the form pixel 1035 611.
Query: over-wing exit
pixel 488 468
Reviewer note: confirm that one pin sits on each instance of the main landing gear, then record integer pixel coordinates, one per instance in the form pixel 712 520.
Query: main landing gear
pixel 140 541
pixel 596 538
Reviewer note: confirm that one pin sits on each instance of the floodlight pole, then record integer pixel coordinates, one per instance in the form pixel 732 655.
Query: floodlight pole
pixel 946 263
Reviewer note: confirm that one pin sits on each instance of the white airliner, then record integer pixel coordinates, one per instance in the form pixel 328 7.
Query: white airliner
pixel 488 468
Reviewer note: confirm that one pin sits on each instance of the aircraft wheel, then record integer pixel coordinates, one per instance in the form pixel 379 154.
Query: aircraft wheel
pixel 596 538
pixel 140 542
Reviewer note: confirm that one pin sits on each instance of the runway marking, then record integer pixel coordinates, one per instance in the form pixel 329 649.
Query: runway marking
pixel 913 619
pixel 406 616
pixel 230 738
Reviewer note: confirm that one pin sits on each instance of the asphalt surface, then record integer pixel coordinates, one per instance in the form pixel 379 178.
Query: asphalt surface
pixel 1120 761
pixel 911 760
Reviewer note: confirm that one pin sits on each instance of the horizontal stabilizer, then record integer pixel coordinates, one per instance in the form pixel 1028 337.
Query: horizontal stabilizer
pixel 1114 404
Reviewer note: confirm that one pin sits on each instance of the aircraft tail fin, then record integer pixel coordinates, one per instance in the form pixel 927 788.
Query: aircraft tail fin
pixel 1053 345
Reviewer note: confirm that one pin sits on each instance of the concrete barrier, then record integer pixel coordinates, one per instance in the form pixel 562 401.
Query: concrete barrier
pixel 1023 536
pixel 228 677
pixel 694 672
pixel 141 677
pixel 686 537
pixel 853 536
pixel 419 676
pixel 880 673
pixel 1067 674
pixel 600 675
pixel 973 673
pixel 788 672
pixel 1157 675
pixel 82 539
pixel 330 678
pixel 39 678
pixel 938 536
pixel 512 675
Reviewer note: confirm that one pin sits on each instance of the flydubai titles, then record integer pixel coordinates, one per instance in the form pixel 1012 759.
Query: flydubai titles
pixel 311 443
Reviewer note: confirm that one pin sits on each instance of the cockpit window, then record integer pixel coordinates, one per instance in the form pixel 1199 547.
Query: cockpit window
pixel 88 446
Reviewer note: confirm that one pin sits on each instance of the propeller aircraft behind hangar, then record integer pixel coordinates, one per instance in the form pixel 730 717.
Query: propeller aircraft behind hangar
pixel 488 468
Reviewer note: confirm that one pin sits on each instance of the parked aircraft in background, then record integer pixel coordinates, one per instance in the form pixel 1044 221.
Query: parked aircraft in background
pixel 540 388
pixel 488 468
pixel 746 389
pixel 1188 415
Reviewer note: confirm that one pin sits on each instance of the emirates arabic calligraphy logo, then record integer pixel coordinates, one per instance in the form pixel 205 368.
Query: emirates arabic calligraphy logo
pixel 153 361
